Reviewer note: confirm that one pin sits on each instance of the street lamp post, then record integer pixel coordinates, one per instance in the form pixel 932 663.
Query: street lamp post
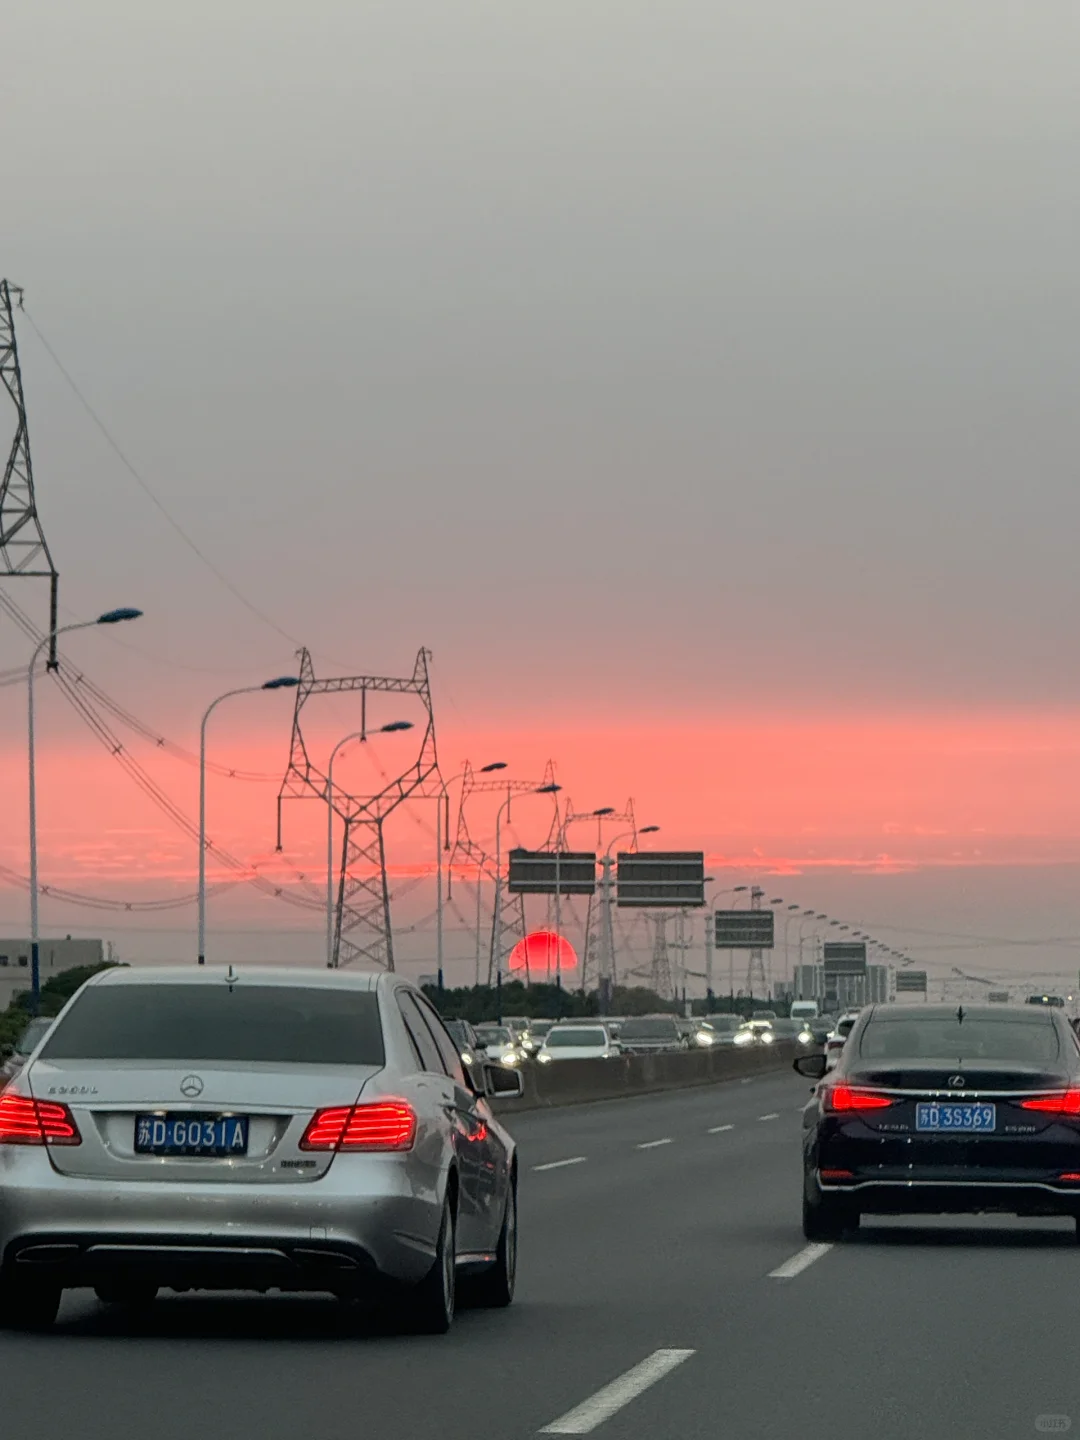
pixel 442 839
pixel 110 617
pixel 607 936
pixel 598 816
pixel 735 889
pixel 496 937
pixel 282 682
pixel 360 735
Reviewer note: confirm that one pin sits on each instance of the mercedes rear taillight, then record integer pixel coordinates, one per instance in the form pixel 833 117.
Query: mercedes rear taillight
pixel 381 1125
pixel 36 1122
pixel 840 1098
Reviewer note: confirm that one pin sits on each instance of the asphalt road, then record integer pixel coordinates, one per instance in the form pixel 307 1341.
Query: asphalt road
pixel 647 1266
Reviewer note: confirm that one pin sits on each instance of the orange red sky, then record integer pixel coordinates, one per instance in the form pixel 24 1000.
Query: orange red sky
pixel 781 793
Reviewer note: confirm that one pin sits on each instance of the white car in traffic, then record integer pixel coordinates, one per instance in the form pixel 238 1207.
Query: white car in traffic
pixel 838 1038
pixel 577 1042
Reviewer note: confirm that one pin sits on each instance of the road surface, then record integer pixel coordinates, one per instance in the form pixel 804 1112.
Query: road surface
pixel 665 1290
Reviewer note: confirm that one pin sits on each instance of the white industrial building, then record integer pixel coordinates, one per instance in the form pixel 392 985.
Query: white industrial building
pixel 53 957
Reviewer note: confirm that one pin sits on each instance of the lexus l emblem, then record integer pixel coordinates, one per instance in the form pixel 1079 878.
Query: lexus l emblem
pixel 192 1087
pixel 957 1082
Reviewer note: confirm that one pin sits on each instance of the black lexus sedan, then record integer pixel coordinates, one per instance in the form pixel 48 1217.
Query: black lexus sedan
pixel 944 1109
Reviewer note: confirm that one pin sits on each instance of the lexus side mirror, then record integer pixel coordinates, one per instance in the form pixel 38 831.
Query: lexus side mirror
pixel 811 1066
pixel 500 1080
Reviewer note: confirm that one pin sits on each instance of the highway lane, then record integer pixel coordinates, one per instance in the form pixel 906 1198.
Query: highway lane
pixel 612 1251
pixel 930 1329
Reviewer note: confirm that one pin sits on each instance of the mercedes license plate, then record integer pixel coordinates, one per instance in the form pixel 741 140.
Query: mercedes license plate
pixel 220 1135
pixel 963 1117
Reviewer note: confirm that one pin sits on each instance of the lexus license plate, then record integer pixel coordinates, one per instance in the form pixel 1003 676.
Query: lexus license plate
pixel 957 1117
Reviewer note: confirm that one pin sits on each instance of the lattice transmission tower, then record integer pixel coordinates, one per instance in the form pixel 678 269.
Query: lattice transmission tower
pixel 661 960
pixel 24 550
pixel 508 911
pixel 362 926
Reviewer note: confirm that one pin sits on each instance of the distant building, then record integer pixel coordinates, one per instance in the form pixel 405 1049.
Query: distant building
pixel 53 957
pixel 852 991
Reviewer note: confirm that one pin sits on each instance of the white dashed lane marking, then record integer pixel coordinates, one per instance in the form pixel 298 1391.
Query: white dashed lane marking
pixel 719 1129
pixel 773 1115
pixel 798 1263
pixel 652 1144
pixel 558 1164
pixel 606 1402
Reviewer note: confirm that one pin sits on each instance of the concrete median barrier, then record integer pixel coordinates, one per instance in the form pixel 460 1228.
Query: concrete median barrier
pixel 576 1082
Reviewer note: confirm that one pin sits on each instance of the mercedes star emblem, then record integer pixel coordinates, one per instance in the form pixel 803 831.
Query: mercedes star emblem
pixel 957 1082
pixel 192 1086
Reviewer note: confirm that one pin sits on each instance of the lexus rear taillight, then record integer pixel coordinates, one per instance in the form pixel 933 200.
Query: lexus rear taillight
pixel 36 1122
pixel 379 1126
pixel 846 1097
pixel 1061 1102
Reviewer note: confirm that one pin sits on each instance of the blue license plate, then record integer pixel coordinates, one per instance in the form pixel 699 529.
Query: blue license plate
pixel 191 1135
pixel 968 1117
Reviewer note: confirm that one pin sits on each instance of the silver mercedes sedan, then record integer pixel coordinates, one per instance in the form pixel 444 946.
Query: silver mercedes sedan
pixel 254 1129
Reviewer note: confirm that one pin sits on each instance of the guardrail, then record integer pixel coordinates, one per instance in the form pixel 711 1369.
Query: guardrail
pixel 576 1082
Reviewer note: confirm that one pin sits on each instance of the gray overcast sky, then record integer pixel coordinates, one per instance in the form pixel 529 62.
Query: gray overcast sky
pixel 593 344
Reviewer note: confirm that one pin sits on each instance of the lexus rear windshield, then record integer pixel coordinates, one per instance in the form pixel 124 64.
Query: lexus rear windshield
pixel 950 1039
pixel 248 1024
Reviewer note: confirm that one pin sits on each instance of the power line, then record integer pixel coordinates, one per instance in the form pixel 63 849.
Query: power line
pixel 154 498
pixel 150 493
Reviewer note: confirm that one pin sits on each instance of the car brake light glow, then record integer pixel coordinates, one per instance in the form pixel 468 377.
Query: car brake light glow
pixel 837 1174
pixel 846 1097
pixel 381 1125
pixel 36 1122
pixel 1072 1175
pixel 1063 1102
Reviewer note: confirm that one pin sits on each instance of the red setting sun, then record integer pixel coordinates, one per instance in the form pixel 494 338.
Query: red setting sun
pixel 542 951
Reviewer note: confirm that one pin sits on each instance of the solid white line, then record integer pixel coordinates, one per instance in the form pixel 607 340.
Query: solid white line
pixel 558 1164
pixel 798 1263
pixel 620 1392
pixel 719 1129
pixel 652 1144
pixel 775 1115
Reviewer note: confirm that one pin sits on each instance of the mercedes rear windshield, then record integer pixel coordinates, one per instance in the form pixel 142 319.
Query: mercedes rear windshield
pixel 252 1024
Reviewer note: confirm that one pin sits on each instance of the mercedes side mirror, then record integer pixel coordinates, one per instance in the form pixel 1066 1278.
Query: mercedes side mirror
pixel 501 1081
pixel 811 1066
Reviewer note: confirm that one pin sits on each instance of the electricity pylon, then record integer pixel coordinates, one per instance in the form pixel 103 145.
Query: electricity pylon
pixel 23 547
pixel 362 928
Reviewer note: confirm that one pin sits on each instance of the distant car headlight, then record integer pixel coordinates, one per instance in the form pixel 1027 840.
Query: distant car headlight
pixel 805 1037
pixel 743 1037
pixel 468 1058
pixel 701 1038
pixel 511 1057
pixel 544 1058
pixel 766 1037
